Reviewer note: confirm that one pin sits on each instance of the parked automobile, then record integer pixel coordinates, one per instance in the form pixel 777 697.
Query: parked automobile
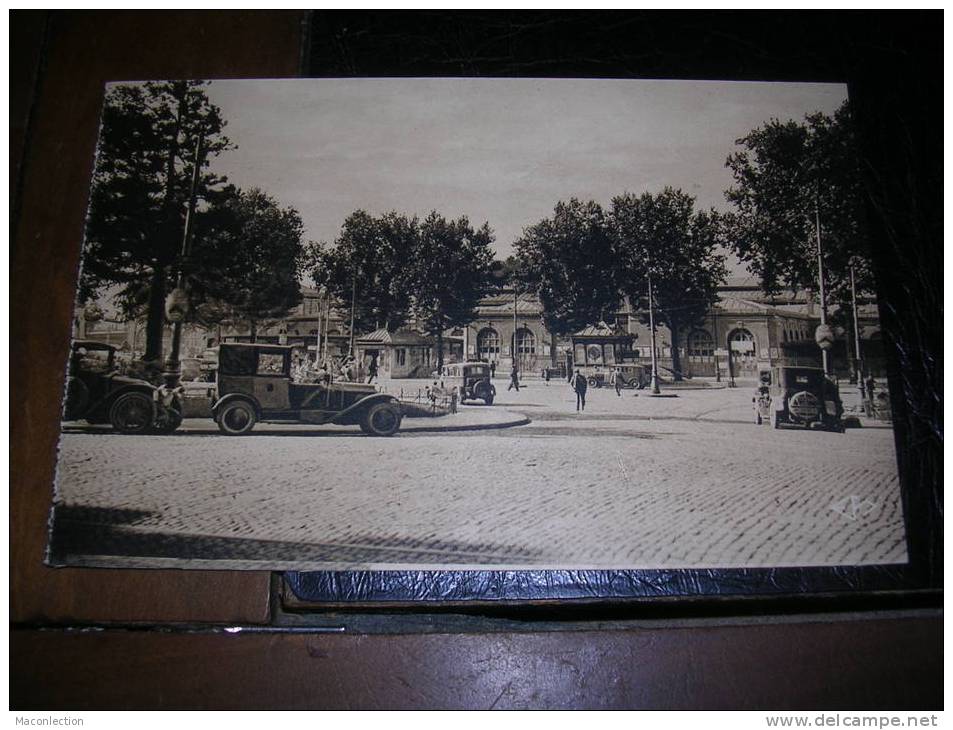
pixel 633 376
pixel 254 384
pixel 799 396
pixel 473 378
pixel 97 393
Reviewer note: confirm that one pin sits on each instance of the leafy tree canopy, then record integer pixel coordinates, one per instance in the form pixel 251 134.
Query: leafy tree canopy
pixel 451 273
pixel 787 176
pixel 370 258
pixel 140 190
pixel 246 260
pixel 663 239
pixel 566 260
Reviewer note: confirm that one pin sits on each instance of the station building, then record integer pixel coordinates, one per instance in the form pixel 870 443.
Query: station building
pixel 744 330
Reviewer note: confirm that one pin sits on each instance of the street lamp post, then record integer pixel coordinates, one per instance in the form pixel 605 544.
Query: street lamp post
pixel 825 359
pixel 177 304
pixel 655 388
pixel 858 358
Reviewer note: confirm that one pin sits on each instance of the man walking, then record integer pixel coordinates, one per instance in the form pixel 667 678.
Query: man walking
pixel 617 381
pixel 579 385
pixel 372 370
pixel 514 379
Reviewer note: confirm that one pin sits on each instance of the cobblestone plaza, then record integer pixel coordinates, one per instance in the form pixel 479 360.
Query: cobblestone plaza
pixel 633 481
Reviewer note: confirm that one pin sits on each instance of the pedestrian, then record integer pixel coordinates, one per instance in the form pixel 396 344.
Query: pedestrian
pixel 493 369
pixel 546 373
pixel 514 379
pixel 580 385
pixel 617 381
pixel 372 370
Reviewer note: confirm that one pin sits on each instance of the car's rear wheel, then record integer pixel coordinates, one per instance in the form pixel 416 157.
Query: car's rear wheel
pixel 236 418
pixel 132 413
pixel 381 419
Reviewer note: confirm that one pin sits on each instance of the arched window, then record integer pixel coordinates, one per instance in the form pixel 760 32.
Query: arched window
pixel 743 350
pixel 700 344
pixel 488 344
pixel 525 348
pixel 525 342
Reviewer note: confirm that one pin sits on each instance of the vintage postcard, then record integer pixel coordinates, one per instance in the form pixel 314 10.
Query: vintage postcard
pixel 476 323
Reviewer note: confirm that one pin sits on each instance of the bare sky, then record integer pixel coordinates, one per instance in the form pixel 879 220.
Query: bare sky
pixel 497 150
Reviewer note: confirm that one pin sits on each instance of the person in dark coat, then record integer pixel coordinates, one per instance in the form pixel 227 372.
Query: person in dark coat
pixel 580 385
pixel 514 378
pixel 372 370
pixel 493 368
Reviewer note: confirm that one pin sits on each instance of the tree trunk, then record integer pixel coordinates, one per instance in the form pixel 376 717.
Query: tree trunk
pixel 155 315
pixel 439 350
pixel 253 330
pixel 676 358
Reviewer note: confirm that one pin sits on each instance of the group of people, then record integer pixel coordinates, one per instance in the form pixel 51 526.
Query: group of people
pixel 346 368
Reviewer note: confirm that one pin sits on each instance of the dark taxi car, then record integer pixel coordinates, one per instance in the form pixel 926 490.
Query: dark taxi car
pixel 254 384
pixel 98 393
pixel 473 378
pixel 798 396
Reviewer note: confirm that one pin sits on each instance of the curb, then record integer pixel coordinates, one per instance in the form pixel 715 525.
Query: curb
pixel 518 420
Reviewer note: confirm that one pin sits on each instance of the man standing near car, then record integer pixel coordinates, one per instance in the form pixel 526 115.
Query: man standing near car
pixel 617 381
pixel 579 385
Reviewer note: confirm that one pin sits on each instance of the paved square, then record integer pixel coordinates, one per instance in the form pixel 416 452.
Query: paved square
pixel 632 482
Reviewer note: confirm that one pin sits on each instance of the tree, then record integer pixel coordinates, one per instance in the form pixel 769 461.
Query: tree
pixel 661 237
pixel 369 261
pixel 139 193
pixel 787 177
pixel 246 261
pixel 450 274
pixel 567 261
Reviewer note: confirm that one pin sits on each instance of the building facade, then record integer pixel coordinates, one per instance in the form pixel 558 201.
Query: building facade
pixel 744 331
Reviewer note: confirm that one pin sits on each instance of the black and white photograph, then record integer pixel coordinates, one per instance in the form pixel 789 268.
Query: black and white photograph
pixel 476 323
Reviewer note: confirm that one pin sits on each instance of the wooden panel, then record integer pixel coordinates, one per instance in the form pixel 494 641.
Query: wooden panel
pixel 84 50
pixel 868 664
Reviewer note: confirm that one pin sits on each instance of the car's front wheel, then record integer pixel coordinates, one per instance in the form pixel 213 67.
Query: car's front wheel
pixel 236 418
pixel 381 419
pixel 132 413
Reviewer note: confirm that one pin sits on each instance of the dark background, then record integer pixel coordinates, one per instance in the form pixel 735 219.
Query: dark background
pixel 162 646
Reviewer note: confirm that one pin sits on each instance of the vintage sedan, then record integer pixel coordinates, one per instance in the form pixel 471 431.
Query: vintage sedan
pixel 473 379
pixel 254 384
pixel 799 396
pixel 97 393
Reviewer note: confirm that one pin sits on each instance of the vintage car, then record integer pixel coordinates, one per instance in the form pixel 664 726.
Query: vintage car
pixel 633 375
pixel 800 396
pixel 254 384
pixel 97 393
pixel 473 379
